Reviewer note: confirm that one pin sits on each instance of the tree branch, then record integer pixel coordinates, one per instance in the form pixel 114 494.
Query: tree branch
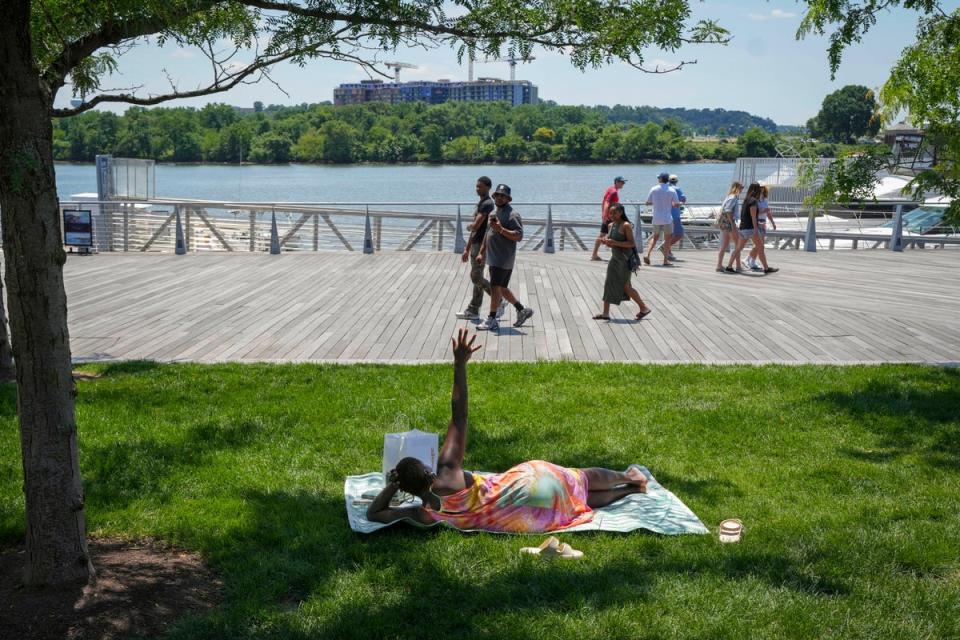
pixel 220 84
pixel 111 33
pixel 535 37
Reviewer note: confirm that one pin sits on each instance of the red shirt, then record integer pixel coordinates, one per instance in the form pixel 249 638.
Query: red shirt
pixel 613 197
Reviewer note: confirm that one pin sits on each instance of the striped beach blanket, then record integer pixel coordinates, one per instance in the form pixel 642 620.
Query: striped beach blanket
pixel 657 510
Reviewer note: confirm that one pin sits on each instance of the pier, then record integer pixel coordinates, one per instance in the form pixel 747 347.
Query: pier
pixel 830 307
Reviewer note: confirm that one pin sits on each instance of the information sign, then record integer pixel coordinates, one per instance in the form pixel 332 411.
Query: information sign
pixel 77 228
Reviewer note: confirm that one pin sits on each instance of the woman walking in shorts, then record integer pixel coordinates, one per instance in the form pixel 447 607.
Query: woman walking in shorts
pixel 727 221
pixel 749 229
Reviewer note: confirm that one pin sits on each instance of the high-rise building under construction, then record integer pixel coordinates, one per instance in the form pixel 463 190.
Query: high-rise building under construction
pixel 515 92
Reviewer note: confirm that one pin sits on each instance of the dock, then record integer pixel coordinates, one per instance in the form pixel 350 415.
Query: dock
pixel 832 307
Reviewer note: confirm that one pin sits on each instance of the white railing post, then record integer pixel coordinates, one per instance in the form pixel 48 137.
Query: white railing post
pixel 367 233
pixel 638 230
pixel 274 236
pixel 810 239
pixel 548 237
pixel 458 243
pixel 180 247
pixel 896 238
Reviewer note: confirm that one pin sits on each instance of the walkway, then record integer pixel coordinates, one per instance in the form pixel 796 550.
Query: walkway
pixel 828 307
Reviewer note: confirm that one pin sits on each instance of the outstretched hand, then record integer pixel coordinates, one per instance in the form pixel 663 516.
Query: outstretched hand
pixel 462 347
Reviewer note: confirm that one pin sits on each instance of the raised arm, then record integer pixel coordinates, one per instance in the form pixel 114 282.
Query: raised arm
pixel 454 445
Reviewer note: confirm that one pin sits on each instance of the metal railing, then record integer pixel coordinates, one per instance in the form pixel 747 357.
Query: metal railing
pixel 151 226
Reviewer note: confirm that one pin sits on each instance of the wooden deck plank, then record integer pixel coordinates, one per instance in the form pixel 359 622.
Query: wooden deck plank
pixel 831 306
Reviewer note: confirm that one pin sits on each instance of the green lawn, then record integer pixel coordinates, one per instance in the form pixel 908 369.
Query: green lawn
pixel 847 480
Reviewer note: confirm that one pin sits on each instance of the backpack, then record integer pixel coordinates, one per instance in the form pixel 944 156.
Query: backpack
pixel 724 209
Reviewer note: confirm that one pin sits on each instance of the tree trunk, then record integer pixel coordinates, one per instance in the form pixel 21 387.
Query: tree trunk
pixel 33 256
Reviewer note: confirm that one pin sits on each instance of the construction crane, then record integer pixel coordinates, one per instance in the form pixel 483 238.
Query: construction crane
pixel 512 61
pixel 396 66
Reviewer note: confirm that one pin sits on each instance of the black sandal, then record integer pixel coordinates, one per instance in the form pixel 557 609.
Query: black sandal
pixel 600 316
pixel 643 314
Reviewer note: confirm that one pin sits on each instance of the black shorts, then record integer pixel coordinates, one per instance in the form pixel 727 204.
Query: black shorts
pixel 500 277
pixel 604 228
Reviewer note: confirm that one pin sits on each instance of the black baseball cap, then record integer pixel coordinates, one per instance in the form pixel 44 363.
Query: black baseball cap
pixel 619 179
pixel 503 190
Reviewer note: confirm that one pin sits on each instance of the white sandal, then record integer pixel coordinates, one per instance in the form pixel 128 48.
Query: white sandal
pixel 552 548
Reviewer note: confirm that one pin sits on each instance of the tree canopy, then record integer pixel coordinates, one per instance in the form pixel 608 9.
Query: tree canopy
pixel 85 39
pixel 846 115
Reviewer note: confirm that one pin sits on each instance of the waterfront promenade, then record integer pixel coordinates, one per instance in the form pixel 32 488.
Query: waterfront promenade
pixel 828 307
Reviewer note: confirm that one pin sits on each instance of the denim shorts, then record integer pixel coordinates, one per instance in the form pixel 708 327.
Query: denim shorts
pixel 746 234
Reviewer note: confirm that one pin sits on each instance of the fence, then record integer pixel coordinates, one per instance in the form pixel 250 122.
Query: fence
pixel 151 226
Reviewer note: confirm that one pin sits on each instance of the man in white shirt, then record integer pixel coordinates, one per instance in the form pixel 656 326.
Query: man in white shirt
pixel 663 197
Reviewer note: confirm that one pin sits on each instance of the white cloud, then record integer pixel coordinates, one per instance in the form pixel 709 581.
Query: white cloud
pixel 183 54
pixel 775 14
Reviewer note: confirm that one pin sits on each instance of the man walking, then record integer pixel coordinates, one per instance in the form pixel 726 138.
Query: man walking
pixel 478 229
pixel 611 196
pixel 675 215
pixel 499 252
pixel 663 198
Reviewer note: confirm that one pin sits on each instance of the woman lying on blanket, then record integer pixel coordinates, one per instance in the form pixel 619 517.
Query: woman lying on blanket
pixel 531 497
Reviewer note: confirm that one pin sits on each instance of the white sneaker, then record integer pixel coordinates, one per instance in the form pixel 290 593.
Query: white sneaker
pixel 490 324
pixel 502 308
pixel 468 315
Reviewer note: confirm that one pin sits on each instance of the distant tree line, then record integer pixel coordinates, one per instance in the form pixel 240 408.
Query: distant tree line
pixel 412 132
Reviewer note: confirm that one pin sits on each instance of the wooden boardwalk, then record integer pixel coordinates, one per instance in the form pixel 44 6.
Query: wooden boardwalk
pixel 828 307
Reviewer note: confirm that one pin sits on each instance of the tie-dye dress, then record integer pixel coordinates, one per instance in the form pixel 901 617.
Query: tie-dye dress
pixel 532 497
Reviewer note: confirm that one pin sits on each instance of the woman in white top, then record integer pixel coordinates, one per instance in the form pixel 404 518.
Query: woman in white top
pixel 727 221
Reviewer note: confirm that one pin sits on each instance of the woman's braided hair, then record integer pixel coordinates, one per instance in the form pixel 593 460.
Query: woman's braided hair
pixel 412 476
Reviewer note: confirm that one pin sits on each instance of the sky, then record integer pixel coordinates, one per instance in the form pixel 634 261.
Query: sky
pixel 788 79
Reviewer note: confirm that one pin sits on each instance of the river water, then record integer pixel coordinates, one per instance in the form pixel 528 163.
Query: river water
pixel 701 182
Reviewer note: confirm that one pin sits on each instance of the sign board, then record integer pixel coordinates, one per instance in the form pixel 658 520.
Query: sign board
pixel 77 228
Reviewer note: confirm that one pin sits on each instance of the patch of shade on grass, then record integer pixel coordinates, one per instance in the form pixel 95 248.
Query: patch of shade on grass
pixel 847 480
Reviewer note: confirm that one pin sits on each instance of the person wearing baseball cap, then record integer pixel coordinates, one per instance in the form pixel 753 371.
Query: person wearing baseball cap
pixel 499 252
pixel 610 197
pixel 663 198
